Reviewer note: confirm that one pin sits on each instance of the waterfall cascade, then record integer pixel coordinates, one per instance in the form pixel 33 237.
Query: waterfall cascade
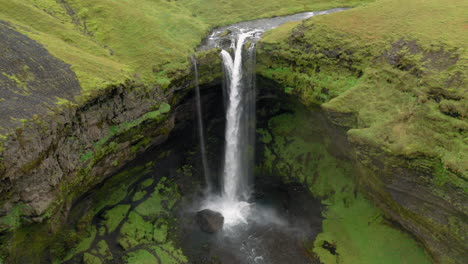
pixel 240 128
pixel 239 101
pixel 201 131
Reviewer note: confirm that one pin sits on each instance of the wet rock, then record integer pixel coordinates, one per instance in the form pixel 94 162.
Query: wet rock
pixel 210 221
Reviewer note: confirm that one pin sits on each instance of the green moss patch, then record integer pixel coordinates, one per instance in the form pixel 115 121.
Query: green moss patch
pixel 127 217
pixel 114 216
pixel 168 253
pixel 354 231
pixel 91 259
pixel 141 257
pixel 163 197
pixel 84 244
pixel 135 231
pixel 13 219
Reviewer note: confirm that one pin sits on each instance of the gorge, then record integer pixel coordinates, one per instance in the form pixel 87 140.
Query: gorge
pixel 332 139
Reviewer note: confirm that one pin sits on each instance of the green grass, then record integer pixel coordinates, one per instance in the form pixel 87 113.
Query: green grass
pixel 107 41
pixel 94 67
pixel 216 12
pixel 397 74
pixel 414 107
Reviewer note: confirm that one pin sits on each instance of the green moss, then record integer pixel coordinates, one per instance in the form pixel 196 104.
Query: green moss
pixel 139 195
pixel 361 235
pixel 135 231
pixel 141 144
pixel 86 156
pixel 169 254
pixel 13 219
pixel 91 259
pixel 157 115
pixel 84 244
pixel 265 137
pixel 146 183
pixel 103 250
pixel 34 238
pixel 300 152
pixel 141 257
pixel 160 230
pixel 114 216
pixel 163 198
pixel 21 83
pixel 115 190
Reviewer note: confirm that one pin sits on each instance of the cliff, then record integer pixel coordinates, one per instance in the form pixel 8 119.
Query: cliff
pixel 396 82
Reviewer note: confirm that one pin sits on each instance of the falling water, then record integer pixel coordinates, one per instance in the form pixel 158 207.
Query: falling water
pixel 248 222
pixel 201 131
pixel 236 174
pixel 240 128
pixel 239 102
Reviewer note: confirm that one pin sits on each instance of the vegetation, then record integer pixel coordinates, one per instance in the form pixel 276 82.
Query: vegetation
pixel 399 76
pixel 140 226
pixel 109 41
pixel 298 149
pixel 393 74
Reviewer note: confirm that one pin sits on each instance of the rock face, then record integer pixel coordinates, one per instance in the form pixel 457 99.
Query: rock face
pixel 210 221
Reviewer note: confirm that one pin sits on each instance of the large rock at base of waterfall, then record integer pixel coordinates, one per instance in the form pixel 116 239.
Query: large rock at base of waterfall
pixel 210 221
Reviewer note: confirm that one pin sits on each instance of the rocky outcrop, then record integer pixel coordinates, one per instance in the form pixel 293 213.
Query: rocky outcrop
pixel 210 221
pixel 50 161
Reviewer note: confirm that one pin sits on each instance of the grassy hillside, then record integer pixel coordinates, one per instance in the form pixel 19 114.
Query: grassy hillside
pixel 398 66
pixel 109 41
pixel 394 74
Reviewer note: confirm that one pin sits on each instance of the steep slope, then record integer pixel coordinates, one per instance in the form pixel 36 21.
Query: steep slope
pixel 393 74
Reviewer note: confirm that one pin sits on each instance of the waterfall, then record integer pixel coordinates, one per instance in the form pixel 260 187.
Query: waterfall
pixel 237 173
pixel 234 201
pixel 201 131
pixel 239 92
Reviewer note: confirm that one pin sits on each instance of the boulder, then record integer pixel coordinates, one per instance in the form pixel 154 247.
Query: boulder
pixel 210 221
